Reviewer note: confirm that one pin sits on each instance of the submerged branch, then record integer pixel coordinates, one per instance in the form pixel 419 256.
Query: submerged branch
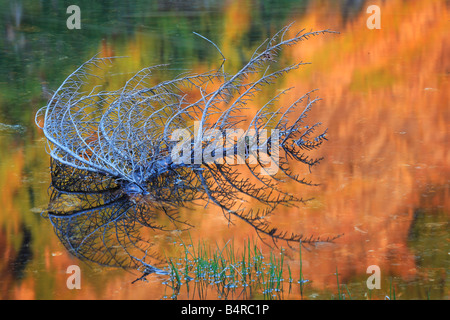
pixel 160 148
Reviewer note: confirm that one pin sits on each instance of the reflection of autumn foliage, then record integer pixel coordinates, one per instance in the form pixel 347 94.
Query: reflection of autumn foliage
pixel 386 105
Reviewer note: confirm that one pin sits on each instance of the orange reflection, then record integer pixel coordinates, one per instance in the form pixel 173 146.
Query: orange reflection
pixel 386 106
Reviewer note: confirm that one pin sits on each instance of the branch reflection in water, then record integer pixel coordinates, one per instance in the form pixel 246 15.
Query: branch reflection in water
pixel 97 222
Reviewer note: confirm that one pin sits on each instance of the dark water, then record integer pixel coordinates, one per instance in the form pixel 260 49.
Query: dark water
pixel 384 180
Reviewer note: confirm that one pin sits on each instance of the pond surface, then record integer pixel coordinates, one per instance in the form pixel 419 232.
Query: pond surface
pixel 384 180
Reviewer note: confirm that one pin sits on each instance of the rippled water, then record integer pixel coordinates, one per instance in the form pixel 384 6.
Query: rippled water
pixel 384 182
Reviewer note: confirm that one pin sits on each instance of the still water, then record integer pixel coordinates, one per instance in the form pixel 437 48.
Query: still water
pixel 384 180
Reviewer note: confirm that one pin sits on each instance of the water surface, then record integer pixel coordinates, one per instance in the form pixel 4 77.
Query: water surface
pixel 384 182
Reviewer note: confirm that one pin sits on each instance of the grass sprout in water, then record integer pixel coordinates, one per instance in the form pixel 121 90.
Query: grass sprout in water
pixel 204 271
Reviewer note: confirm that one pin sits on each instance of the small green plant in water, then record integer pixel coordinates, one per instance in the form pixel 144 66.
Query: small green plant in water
pixel 228 272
